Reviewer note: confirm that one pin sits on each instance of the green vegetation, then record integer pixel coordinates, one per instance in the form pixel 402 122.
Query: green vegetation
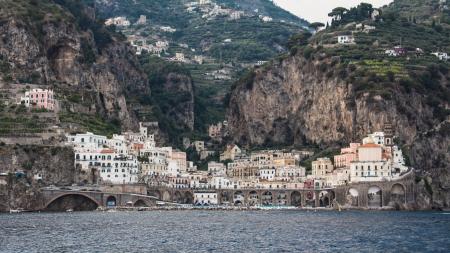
pixel 366 64
pixel 91 123
pixel 18 125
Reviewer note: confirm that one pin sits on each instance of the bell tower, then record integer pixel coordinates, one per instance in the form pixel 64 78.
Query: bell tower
pixel 388 134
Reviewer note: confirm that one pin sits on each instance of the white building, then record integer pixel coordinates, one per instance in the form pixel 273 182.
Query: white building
pixel 114 168
pixel 441 56
pixel 346 39
pixel 267 173
pixel 205 198
pixel 88 141
pixel 370 164
pixel 118 21
pixel 217 169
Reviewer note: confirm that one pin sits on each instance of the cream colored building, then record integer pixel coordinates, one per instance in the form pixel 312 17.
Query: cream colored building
pixel 321 167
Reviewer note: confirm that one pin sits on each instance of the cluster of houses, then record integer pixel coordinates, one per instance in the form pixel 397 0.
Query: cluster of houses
pixel 211 10
pixel 141 45
pixel 396 51
pixel 376 159
pixel 123 22
pixel 118 21
pixel 131 157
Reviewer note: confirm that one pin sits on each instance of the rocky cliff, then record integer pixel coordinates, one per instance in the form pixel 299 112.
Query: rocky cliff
pixel 59 44
pixel 31 167
pixel 296 101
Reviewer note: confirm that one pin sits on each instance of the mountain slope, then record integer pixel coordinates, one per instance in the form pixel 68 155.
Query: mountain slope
pixel 326 94
pixel 59 44
pixel 227 45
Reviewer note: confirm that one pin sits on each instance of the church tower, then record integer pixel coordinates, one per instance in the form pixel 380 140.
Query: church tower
pixel 388 134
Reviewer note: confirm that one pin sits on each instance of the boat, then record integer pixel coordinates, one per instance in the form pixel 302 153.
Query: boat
pixel 18 210
pixel 69 210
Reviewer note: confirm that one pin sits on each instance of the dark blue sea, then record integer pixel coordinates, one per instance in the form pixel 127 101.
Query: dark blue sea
pixel 226 231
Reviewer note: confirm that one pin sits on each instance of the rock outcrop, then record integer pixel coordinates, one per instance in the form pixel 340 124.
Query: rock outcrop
pixel 294 102
pixel 61 53
pixel 32 167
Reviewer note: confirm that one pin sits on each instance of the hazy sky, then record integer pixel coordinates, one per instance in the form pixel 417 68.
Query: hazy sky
pixel 317 10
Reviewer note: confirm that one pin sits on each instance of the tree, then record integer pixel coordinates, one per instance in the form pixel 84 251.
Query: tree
pixel 337 13
pixel 300 39
pixel 316 26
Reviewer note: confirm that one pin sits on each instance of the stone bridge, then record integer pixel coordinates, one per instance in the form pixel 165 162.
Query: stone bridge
pixel 250 197
pixel 399 193
pixel 57 200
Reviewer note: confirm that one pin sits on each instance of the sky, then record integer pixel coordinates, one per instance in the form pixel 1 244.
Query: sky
pixel 317 10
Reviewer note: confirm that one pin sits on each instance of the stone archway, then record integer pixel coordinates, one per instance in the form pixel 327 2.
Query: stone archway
pixel 238 198
pixel 374 197
pixel 140 203
pixel 310 199
pixel 225 198
pixel 398 194
pixel 352 198
pixel 188 198
pixel 267 198
pixel 253 198
pixel 75 202
pixel 281 198
pixel 166 196
pixel 296 198
pixel 178 198
pixel 111 201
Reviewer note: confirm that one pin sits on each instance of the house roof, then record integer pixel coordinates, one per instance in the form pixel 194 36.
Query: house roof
pixel 370 145
pixel 107 151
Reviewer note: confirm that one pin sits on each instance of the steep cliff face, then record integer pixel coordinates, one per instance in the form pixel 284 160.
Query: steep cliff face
pixel 57 49
pixel 183 111
pixel 41 166
pixel 293 102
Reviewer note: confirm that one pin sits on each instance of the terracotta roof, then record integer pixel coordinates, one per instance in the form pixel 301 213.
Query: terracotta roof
pixel 370 145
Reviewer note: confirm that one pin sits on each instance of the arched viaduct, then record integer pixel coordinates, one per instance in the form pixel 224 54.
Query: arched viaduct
pixel 94 199
pixel 399 193
pixel 249 197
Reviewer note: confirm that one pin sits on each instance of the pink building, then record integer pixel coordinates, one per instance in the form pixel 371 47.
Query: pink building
pixel 347 155
pixel 39 98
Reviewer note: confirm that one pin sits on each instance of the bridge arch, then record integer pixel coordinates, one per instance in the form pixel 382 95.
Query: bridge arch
pixel 324 199
pixel 296 198
pixel 267 198
pixel 281 198
pixel 141 203
pixel 374 196
pixel 166 196
pixel 74 201
pixel 398 194
pixel 253 198
pixel 352 198
pixel 225 197
pixel 238 198
pixel 178 197
pixel 111 201
pixel 188 198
